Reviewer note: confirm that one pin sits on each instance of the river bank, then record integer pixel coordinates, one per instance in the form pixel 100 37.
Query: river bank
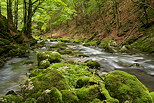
pixel 108 61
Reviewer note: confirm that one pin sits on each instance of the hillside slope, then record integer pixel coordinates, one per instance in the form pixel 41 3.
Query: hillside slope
pixel 129 22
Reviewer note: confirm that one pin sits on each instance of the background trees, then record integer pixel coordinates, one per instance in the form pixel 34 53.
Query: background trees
pixel 41 16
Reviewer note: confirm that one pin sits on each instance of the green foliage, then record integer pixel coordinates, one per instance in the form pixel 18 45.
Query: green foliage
pixel 126 87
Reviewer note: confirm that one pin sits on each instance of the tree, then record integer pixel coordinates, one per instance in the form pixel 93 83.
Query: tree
pixel 9 11
pixel 16 2
pixel 29 11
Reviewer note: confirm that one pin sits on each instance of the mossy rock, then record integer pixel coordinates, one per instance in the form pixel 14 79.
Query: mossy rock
pixel 50 96
pixel 20 51
pixel 82 81
pixel 2 43
pixel 96 100
pixel 126 87
pixel 88 94
pixel 69 96
pixel 52 57
pixel 5 41
pixel 18 38
pixel 1 50
pixel 43 79
pixel 152 95
pixel 92 64
pixel 44 64
pixel 11 99
pixel 30 100
pixel 60 45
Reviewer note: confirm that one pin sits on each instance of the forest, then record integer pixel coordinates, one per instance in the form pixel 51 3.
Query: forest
pixel 77 51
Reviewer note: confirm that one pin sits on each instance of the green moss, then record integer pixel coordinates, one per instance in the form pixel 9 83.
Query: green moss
pixel 152 95
pixel 18 38
pixel 30 100
pixel 1 50
pixel 82 81
pixel 108 45
pixel 88 94
pixel 126 87
pixel 46 79
pixel 50 96
pixel 71 71
pixel 60 45
pixel 2 43
pixel 20 51
pixel 92 64
pixel 44 64
pixel 106 94
pixel 11 99
pixel 51 56
pixel 69 96
pixel 65 51
pixel 96 100
pixel 5 41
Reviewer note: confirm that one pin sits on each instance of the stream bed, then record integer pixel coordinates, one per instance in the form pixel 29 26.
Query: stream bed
pixel 14 71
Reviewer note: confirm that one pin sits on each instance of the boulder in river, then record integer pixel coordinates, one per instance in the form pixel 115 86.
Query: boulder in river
pixel 51 56
pixel 126 87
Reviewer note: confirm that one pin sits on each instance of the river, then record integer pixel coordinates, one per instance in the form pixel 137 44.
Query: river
pixel 13 73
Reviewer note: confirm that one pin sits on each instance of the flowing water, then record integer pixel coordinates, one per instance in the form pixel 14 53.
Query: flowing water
pixel 14 71
pixel 141 65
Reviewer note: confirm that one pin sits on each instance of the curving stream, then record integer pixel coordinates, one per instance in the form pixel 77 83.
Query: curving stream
pixel 14 71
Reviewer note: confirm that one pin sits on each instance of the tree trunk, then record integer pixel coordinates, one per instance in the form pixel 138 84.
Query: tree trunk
pixel 116 13
pixel 25 16
pixel 0 9
pixel 16 13
pixel 29 19
pixel 9 11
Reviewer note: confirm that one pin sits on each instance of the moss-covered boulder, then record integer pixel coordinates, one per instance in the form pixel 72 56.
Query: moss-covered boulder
pixel 11 99
pixel 44 64
pixel 152 95
pixel 82 81
pixel 88 94
pixel 20 51
pixel 126 88
pixel 30 100
pixel 43 79
pixel 60 45
pixel 69 96
pixel 92 64
pixel 51 56
pixel 50 96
